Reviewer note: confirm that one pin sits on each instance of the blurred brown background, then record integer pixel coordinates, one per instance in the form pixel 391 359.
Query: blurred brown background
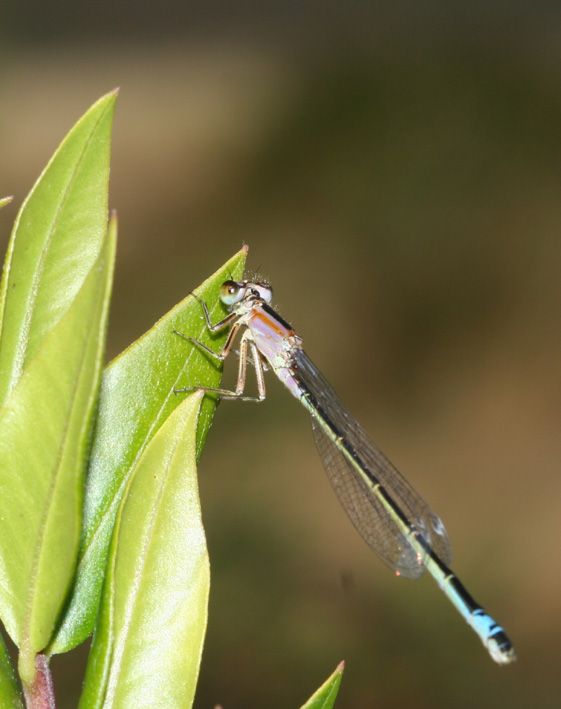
pixel 396 171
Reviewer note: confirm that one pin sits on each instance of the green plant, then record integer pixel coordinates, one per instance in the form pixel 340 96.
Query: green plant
pixel 98 486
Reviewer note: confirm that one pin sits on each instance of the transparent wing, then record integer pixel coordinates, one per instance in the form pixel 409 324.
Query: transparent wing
pixel 381 529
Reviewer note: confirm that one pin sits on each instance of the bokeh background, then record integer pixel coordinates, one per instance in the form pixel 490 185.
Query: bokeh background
pixel 396 170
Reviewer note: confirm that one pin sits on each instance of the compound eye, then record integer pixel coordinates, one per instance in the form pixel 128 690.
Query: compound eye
pixel 231 292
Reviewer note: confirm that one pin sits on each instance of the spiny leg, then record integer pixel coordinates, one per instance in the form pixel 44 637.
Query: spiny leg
pixel 217 355
pixel 219 325
pixel 245 342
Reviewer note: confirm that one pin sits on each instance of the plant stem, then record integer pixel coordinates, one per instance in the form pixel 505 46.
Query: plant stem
pixel 39 693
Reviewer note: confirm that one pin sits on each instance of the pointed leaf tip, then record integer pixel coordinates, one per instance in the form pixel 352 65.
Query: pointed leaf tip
pixel 325 696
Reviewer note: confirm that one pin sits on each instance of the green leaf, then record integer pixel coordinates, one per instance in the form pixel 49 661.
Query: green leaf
pixel 44 430
pixel 325 696
pixel 148 641
pixel 56 239
pixel 10 696
pixel 137 395
pixel 4 201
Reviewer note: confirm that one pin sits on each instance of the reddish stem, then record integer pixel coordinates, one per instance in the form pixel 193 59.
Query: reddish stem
pixel 39 694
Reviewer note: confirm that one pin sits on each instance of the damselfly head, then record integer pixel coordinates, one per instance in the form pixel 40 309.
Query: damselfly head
pixel 264 290
pixel 232 292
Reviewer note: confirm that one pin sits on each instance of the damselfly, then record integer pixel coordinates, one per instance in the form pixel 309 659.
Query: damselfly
pixel 390 516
